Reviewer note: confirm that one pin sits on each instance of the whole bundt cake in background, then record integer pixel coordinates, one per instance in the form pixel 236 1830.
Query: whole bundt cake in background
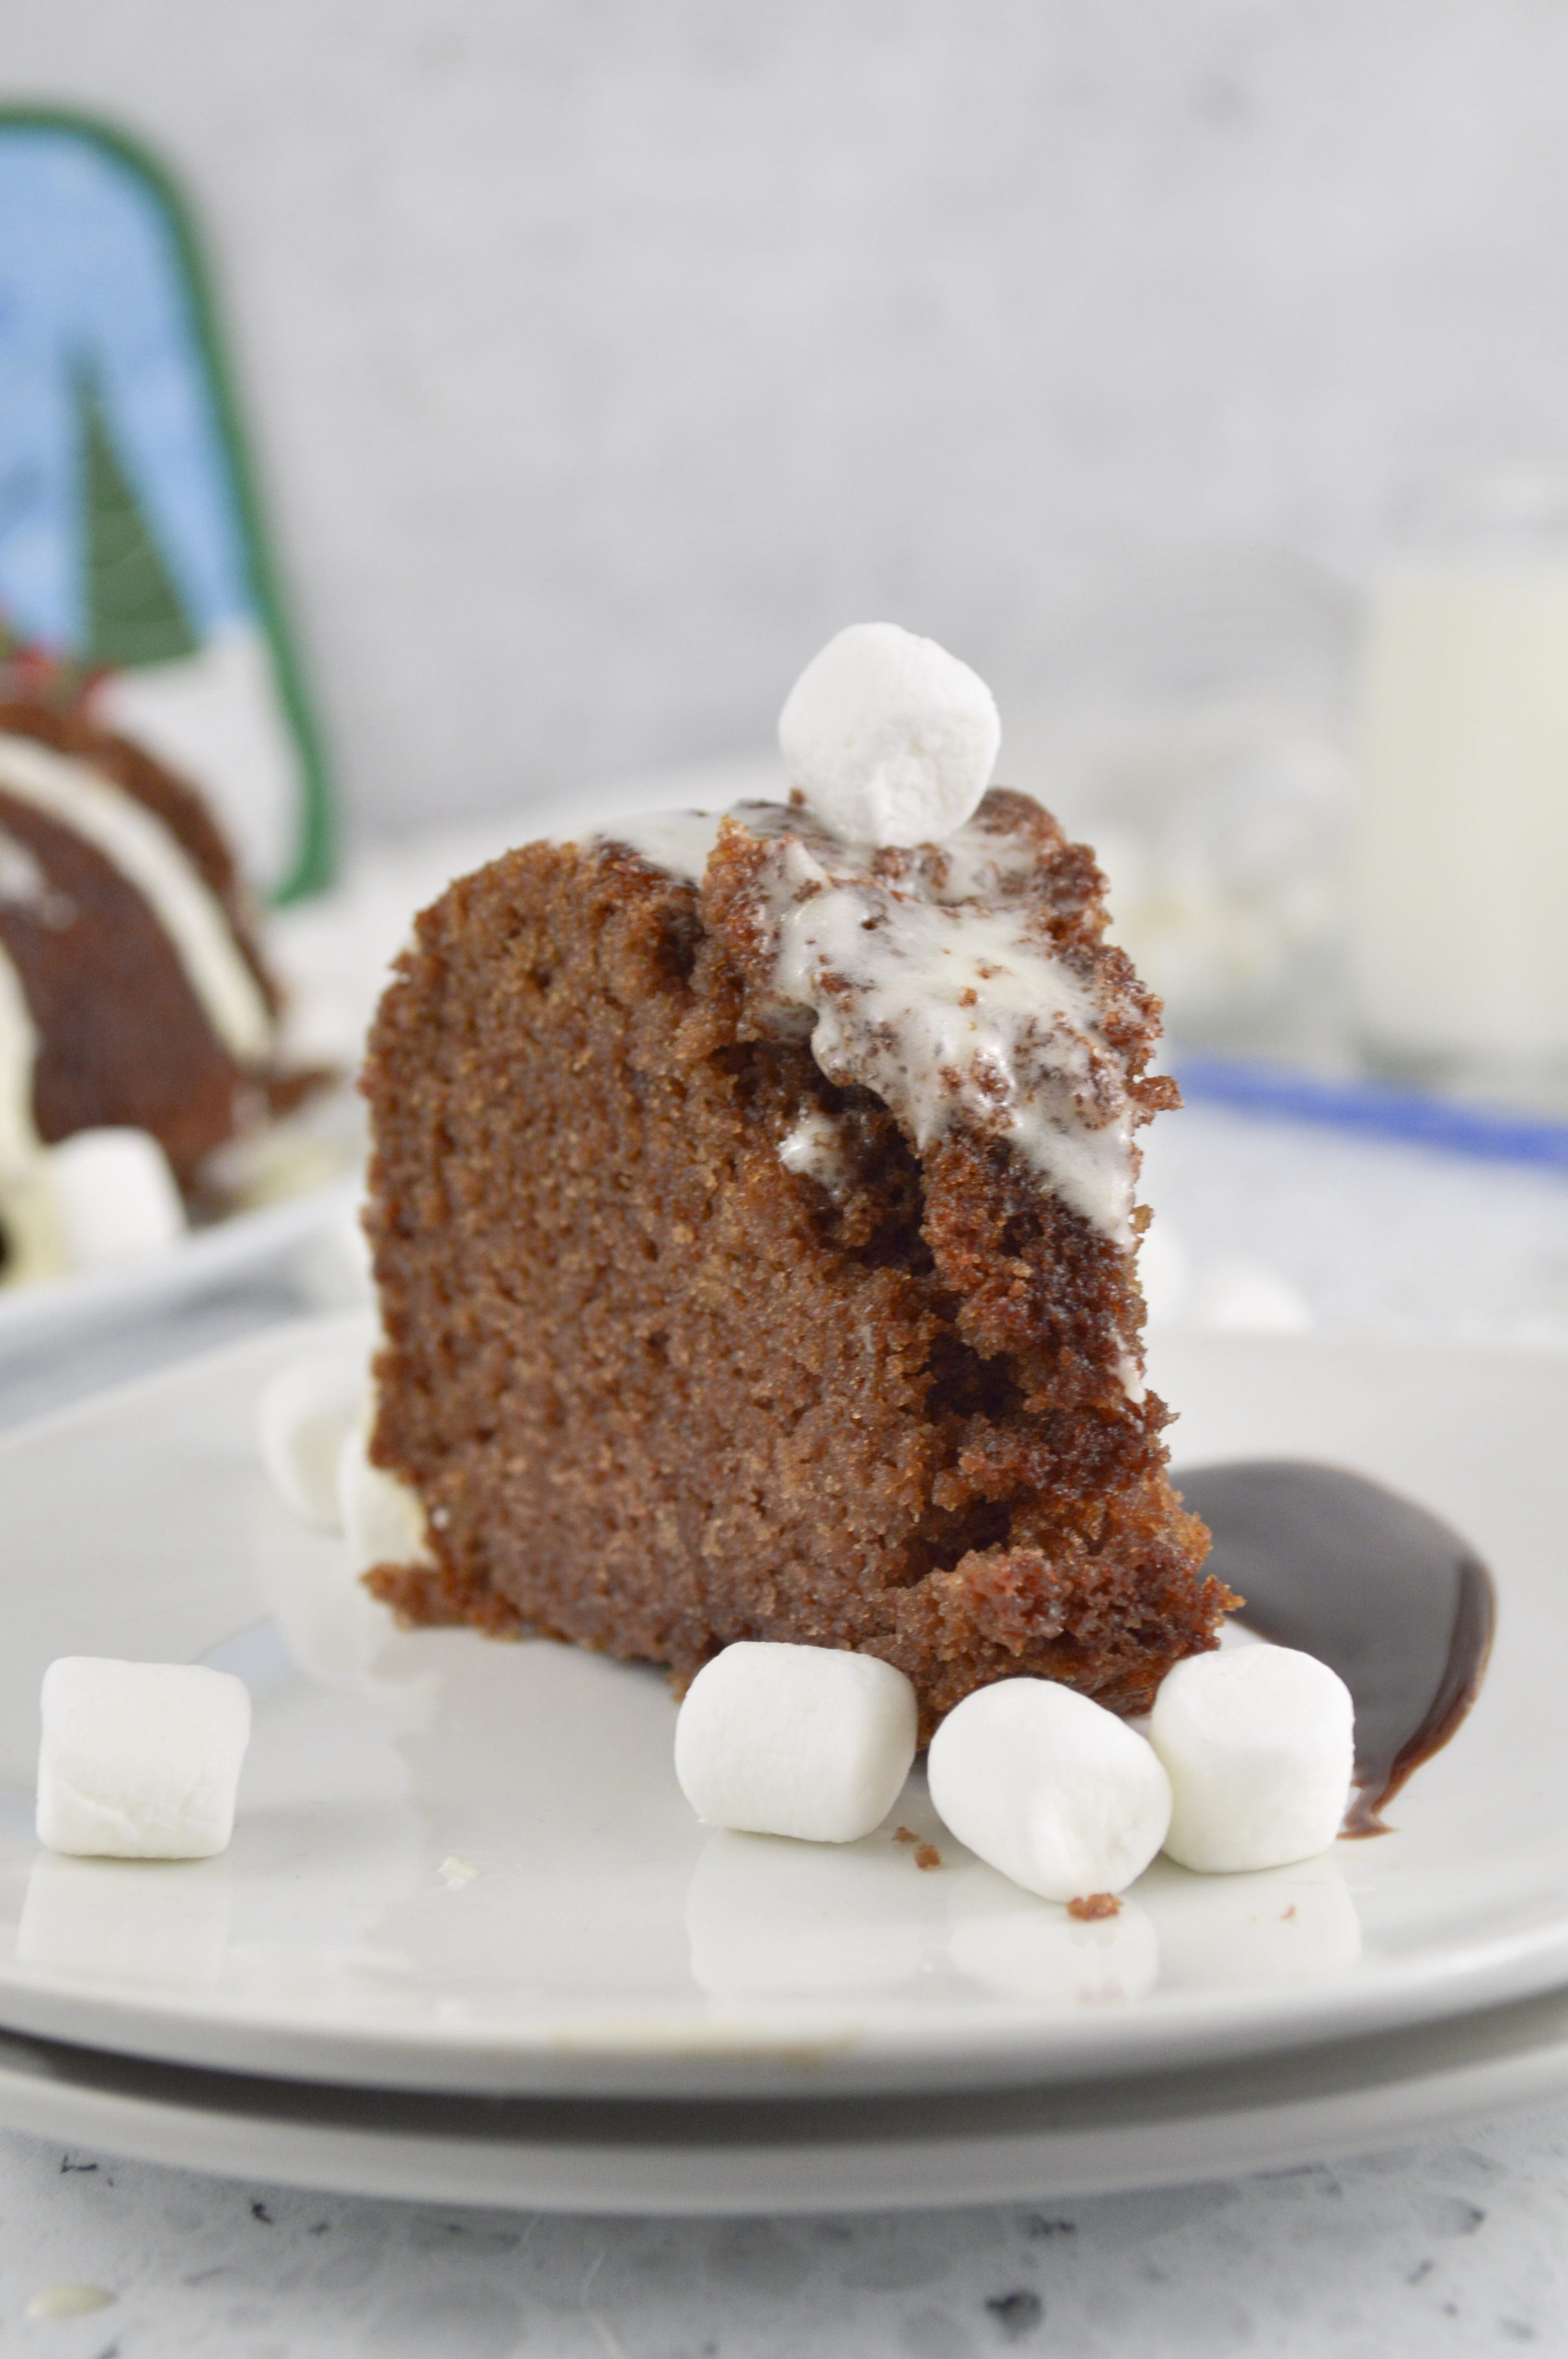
pixel 133 994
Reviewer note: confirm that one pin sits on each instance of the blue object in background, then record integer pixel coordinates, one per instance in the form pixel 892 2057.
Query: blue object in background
pixel 131 549
pixel 93 310
pixel 1376 1111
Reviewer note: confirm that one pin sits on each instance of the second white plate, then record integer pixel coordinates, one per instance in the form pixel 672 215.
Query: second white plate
pixel 800 2155
pixel 467 1866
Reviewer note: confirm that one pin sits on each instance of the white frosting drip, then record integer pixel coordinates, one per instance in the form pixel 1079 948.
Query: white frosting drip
pixel 677 842
pixel 943 1004
pixel 814 1148
pixel 35 1246
pixel 18 1052
pixel 151 858
pixel 930 979
pixel 24 884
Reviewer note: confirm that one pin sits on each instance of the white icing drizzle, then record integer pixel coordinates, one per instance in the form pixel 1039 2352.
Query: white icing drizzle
pixel 24 884
pixel 929 977
pixel 934 987
pixel 814 1148
pixel 677 842
pixel 35 1245
pixel 19 1143
pixel 151 858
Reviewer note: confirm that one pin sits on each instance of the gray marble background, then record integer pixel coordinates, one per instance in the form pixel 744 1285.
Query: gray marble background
pixel 605 358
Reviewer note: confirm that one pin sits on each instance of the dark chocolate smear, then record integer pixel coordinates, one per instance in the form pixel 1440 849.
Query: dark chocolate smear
pixel 1384 1592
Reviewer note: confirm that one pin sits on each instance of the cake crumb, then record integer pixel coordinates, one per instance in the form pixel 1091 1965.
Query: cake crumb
pixel 904 1835
pixel 927 1856
pixel 1092 1904
pixel 1286 1914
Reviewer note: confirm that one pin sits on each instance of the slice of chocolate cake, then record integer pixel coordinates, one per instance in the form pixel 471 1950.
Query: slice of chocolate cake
pixel 753 1222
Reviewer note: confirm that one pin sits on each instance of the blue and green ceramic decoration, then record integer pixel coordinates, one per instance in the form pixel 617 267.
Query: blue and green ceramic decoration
pixel 132 562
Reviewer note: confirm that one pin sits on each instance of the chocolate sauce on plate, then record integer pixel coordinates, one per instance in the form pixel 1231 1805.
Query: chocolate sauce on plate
pixel 1378 1588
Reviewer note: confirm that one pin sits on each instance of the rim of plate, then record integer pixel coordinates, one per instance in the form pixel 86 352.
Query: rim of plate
pixel 697 2159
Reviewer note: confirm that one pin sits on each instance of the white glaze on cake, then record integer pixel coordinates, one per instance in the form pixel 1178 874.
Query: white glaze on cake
pixel 24 884
pixel 29 1221
pixel 949 1009
pixel 677 842
pixel 18 1054
pixel 150 856
pixel 929 976
pixel 814 1148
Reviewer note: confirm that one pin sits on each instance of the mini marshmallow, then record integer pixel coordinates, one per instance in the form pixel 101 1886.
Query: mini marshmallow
pixel 383 1516
pixel 1049 1787
pixel 888 737
pixel 303 1419
pixel 804 1740
pixel 115 1197
pixel 139 1760
pixel 1258 1742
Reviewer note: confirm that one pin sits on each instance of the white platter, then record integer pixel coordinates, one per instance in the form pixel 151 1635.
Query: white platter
pixel 245 1245
pixel 800 2155
pixel 467 1866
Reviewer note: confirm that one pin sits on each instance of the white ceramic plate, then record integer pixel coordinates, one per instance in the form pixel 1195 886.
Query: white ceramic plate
pixel 467 1866
pixel 803 2154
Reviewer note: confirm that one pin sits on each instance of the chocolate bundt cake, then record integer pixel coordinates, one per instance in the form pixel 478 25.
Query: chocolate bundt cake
pixel 133 992
pixel 753 1224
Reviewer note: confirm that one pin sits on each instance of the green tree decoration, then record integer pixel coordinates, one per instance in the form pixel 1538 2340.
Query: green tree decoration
pixel 134 615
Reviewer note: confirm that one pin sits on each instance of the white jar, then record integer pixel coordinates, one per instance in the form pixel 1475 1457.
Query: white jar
pixel 1461 866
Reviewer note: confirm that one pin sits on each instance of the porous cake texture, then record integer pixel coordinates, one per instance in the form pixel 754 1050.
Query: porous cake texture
pixel 755 1236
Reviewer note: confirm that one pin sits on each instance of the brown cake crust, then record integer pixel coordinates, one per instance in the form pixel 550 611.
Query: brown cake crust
pixel 658 1391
